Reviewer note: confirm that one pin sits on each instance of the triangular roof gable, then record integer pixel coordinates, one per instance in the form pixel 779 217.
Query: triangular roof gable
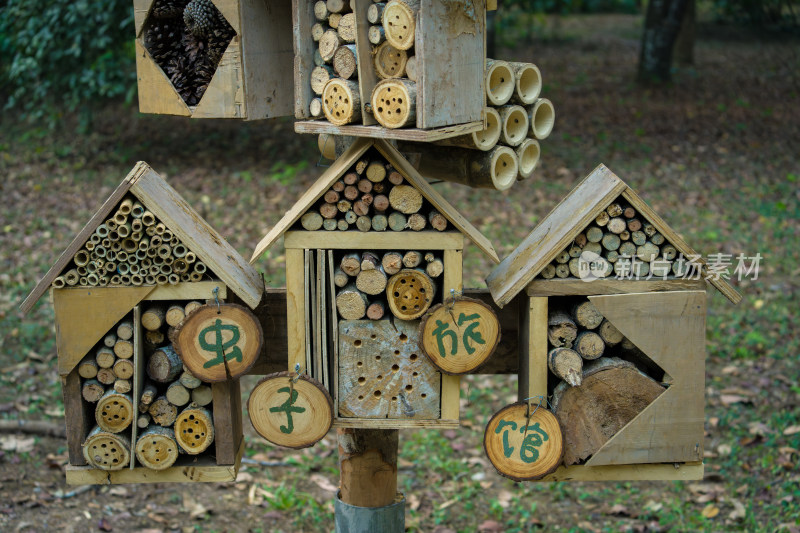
pixel 342 165
pixel 582 205
pixel 171 209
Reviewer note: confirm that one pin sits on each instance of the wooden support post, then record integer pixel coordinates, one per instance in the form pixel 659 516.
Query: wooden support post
pixel 368 466
pixel 533 348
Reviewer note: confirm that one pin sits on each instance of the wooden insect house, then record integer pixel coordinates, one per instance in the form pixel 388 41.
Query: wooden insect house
pixel 370 247
pixel 214 58
pixel 612 333
pixel 137 411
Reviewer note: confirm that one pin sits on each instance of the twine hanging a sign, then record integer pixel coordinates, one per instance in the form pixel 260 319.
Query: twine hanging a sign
pixel 290 409
pixel 459 335
pixel 524 441
pixel 218 341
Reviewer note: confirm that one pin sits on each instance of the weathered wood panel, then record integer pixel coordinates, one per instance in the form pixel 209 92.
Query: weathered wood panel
pixel 566 287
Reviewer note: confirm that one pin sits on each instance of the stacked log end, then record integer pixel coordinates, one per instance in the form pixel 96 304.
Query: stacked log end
pixel 619 243
pixel 131 248
pixel 372 196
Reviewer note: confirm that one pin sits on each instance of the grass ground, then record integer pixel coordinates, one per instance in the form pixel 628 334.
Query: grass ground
pixel 715 154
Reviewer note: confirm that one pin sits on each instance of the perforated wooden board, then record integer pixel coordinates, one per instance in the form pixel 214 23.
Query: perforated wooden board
pixel 383 372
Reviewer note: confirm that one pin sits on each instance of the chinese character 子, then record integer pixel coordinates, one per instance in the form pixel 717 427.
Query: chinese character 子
pixel 288 407
pixel 442 330
pixel 469 333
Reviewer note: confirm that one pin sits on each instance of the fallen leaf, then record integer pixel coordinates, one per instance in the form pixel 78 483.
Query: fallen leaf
pixel 710 511
pixel 791 430
pixel 730 399
pixel 324 483
pixel 273 515
pixel 724 449
pixel 16 443
pixel 739 512
pixel 103 525
pixel 619 510
pixel 504 498
pixel 413 501
pixel 490 526
pixel 448 503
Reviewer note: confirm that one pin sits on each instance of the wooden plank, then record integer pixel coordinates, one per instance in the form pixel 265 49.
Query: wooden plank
pixel 295 310
pixel 554 233
pixel 78 415
pixel 77 243
pixel 333 346
pixel 310 368
pixel 219 256
pixel 491 5
pixel 185 470
pixel 367 78
pixel 670 328
pixel 271 314
pixel 230 10
pixel 138 376
pixel 267 55
pixel 140 10
pixel 379 132
pixel 643 472
pixel 195 290
pixel 374 240
pixel 566 287
pixel 312 194
pixel 453 285
pixel 432 195
pixel 322 291
pixel 156 93
pixel 226 404
pixel 225 95
pixel 383 373
pixel 450 51
pixel 393 423
pixel 304 46
pixel 504 360
pixel 533 349
pixel 678 242
pixel 83 315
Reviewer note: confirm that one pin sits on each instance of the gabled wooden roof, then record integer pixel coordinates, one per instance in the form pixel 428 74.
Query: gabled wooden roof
pixel 169 207
pixel 343 164
pixel 566 221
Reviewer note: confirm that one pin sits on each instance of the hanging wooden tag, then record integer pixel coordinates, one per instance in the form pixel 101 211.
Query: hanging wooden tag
pixel 218 342
pixel 459 336
pixel 290 410
pixel 524 443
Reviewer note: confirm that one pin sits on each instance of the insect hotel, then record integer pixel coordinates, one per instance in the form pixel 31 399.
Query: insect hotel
pixel 370 249
pixel 612 334
pixel 134 280
pixel 213 58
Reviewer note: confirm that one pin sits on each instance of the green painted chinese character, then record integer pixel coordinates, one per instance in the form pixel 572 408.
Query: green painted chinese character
pixel 469 332
pixel 528 452
pixel 218 346
pixel 442 330
pixel 507 450
pixel 289 407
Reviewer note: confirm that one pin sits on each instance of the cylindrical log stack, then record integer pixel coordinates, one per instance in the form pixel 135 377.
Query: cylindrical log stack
pixel 365 282
pixel 373 196
pixel 619 243
pixel 132 247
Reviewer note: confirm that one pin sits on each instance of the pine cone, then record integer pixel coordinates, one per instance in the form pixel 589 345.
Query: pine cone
pixel 218 41
pixel 163 40
pixel 168 9
pixel 201 16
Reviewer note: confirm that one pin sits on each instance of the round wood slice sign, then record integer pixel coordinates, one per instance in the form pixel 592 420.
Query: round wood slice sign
pixel 290 411
pixel 524 443
pixel 458 337
pixel 217 343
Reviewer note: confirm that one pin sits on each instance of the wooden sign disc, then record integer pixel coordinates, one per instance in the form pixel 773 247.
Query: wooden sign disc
pixel 107 451
pixel 523 447
pixel 409 293
pixel 156 448
pixel 217 343
pixel 294 415
pixel 459 337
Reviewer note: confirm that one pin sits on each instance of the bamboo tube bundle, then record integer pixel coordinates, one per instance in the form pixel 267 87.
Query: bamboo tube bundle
pixel 485 139
pixel 542 117
pixel 494 169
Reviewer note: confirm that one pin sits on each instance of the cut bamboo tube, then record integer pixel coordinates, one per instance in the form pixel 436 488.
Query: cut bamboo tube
pixel 500 82
pixel 326 145
pixel 394 103
pixel 495 169
pixel 485 139
pixel 527 83
pixel 542 117
pixel 400 22
pixel 528 156
pixel 341 102
pixel 389 62
pixel 514 120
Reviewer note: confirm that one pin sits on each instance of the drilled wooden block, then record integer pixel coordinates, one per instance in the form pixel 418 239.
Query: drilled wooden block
pixel 383 372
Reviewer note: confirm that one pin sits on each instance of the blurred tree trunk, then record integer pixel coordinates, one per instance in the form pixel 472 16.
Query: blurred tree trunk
pixel 491 32
pixel 683 53
pixel 661 25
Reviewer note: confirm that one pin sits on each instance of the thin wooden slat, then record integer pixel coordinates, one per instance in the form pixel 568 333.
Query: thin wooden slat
pixel 669 328
pixel 79 417
pixel 645 472
pixel 322 291
pixel 367 78
pixel 333 349
pixel 554 233
pixel 156 93
pixel 393 423
pixel 432 195
pixel 678 242
pixel 312 194
pixel 533 349
pixel 295 310
pixel 226 403
pixel 375 240
pixel 84 315
pixel 195 290
pixel 310 368
pixel 452 286
pixel 450 51
pixel 230 10
pixel 374 132
pixel 566 287
pixel 138 376
pixel 77 243
pixel 225 94
pixel 140 10
pixel 186 470
pixel 219 256
pixel 304 46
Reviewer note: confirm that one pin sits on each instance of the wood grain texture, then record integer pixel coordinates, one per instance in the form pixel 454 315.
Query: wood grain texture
pixel 383 373
pixel 368 466
pixel 156 93
pixel 304 47
pixel 356 240
pixel 211 248
pixel 227 412
pixel 554 233
pixel 670 328
pixel 84 315
pixel 140 10
pixel 642 472
pixel 453 280
pixel 196 290
pixel 79 417
pixel 450 35
pixel 566 287
pixel 367 79
pixel 138 372
pixel 296 324
pixel 377 131
pixel 532 348
pixel 77 243
pixel 225 95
